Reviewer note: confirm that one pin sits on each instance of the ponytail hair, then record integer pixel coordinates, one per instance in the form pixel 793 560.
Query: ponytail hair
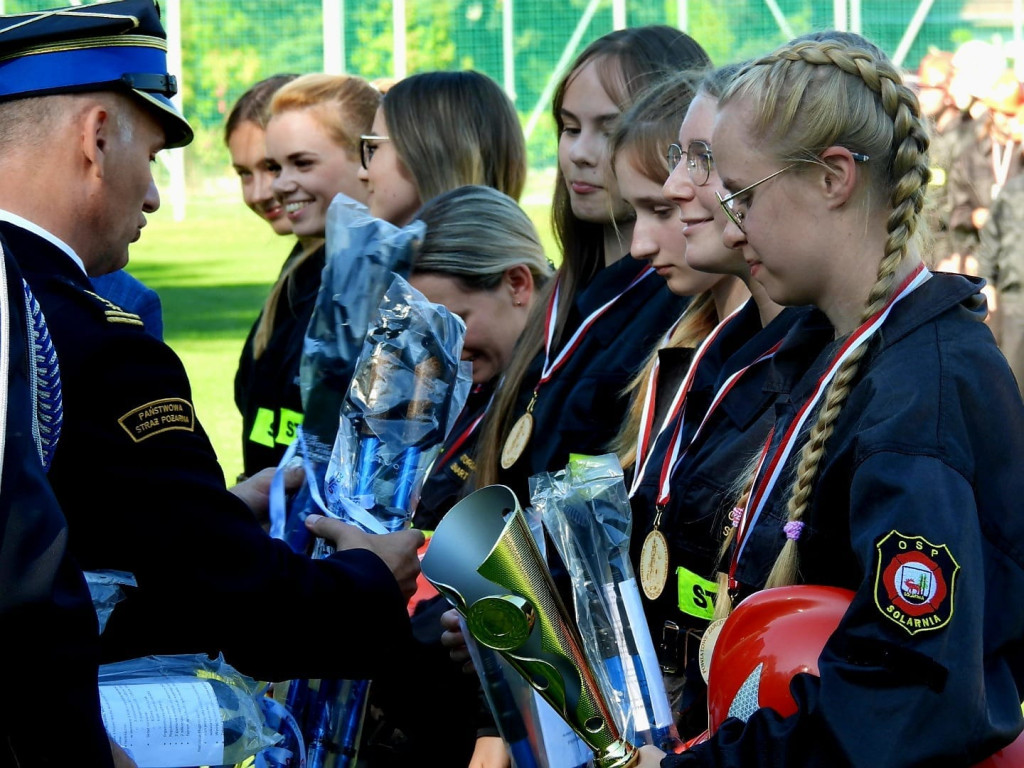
pixel 642 135
pixel 451 129
pixel 253 106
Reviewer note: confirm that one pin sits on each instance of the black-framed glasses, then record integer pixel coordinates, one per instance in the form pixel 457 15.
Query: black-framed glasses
pixel 368 146
pixel 699 160
pixel 737 211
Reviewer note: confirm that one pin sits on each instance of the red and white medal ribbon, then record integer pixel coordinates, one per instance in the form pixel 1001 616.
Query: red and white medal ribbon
pixel 519 435
pixel 550 366
pixel 650 393
pixel 772 468
pixel 676 452
pixel 644 438
pixel 462 438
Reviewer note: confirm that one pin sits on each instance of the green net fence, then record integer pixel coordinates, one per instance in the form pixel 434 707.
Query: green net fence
pixel 226 45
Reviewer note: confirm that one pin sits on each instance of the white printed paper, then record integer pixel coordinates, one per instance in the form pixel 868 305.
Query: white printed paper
pixel 165 724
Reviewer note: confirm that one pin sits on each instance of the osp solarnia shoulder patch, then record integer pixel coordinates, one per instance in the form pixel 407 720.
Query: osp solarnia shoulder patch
pixel 158 416
pixel 914 582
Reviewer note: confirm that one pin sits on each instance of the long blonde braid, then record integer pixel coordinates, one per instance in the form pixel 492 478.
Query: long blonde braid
pixel 794 75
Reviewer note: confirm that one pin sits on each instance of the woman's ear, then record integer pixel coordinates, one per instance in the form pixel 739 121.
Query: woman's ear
pixel 839 176
pixel 519 280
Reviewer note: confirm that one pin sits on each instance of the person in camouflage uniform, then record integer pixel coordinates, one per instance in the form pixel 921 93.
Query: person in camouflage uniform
pixel 944 117
pixel 1001 262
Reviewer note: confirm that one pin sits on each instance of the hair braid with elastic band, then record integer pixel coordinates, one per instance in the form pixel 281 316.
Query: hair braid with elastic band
pixel 784 84
pixel 909 173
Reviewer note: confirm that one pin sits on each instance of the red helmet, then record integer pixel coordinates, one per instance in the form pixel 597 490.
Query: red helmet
pixel 772 636
pixel 1011 756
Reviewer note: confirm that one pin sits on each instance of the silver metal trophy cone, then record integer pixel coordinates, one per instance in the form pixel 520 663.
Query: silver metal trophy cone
pixel 483 558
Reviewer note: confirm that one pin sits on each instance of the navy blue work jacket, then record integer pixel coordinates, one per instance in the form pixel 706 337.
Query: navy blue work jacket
pixel 916 509
pixel 581 408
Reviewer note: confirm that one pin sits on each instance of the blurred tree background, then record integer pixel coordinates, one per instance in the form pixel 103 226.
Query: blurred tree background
pixel 229 44
pixel 214 269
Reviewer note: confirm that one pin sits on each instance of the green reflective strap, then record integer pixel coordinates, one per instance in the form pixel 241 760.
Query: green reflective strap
pixel 696 595
pixel 290 420
pixel 263 428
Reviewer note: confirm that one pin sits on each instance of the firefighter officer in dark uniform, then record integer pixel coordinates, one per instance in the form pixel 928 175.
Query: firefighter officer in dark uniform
pixel 46 615
pixel 84 109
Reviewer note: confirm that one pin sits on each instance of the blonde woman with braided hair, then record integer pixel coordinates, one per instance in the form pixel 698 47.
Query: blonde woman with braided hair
pixel 894 469
pixel 699 406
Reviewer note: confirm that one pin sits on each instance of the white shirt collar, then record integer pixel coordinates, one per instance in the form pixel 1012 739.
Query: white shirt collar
pixel 35 229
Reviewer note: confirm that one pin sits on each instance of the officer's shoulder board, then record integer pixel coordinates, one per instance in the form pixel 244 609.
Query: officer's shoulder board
pixel 114 313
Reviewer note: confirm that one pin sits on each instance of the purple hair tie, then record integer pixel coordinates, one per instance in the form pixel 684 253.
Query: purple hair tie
pixel 736 516
pixel 793 529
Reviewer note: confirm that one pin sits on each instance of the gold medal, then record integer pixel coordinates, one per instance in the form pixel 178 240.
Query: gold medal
pixel 517 440
pixel 654 564
pixel 654 559
pixel 519 437
pixel 707 647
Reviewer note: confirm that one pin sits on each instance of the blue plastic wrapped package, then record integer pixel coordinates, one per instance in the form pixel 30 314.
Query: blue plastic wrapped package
pixel 407 388
pixel 585 509
pixel 363 253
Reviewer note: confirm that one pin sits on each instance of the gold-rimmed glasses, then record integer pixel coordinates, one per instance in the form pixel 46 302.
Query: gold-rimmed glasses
pixel 737 212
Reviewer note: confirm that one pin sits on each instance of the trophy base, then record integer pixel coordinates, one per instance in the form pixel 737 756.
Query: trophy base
pixel 621 754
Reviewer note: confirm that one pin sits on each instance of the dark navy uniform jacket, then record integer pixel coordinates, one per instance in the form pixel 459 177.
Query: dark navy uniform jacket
pixel 267 389
pixel 581 409
pixel 134 296
pixel 917 509
pixel 51 643
pixel 704 488
pixel 142 491
pixel 703 485
pixel 446 483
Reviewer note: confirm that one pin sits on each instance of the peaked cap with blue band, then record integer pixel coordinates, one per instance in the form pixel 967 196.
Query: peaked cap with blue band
pixel 107 46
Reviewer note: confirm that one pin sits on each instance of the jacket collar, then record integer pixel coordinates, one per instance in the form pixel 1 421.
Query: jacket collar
pixel 18 221
pixel 813 333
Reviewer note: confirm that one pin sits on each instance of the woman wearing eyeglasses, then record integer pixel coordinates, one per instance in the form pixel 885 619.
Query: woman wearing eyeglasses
pixel 699 412
pixel 562 391
pixel 312 143
pixel 894 469
pixel 434 132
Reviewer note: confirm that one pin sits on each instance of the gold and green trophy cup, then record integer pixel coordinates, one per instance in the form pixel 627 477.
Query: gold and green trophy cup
pixel 491 570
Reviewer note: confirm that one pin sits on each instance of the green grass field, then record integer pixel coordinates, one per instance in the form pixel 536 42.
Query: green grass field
pixel 213 272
